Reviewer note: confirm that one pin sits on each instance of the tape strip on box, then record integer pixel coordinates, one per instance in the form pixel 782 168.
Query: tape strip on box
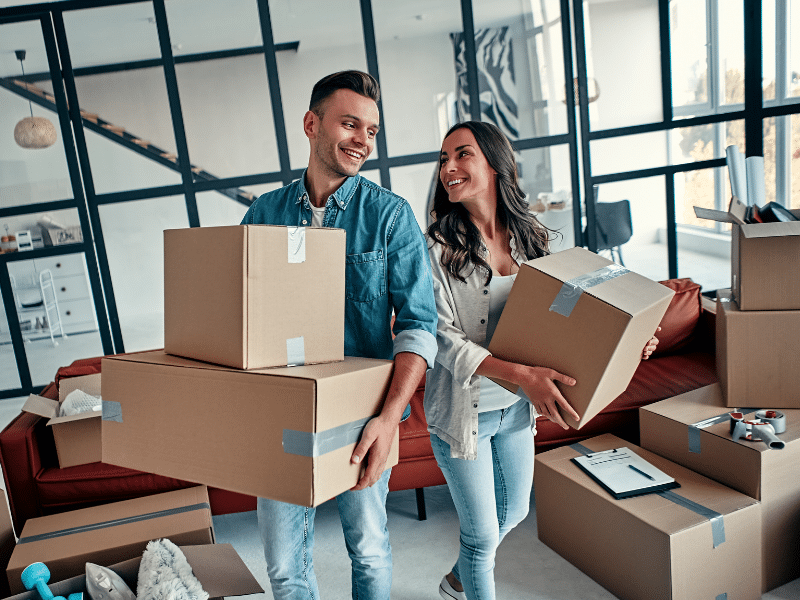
pixel 112 411
pixel 571 290
pixel 114 522
pixel 305 443
pixel 694 429
pixel 717 519
pixel 296 244
pixel 295 352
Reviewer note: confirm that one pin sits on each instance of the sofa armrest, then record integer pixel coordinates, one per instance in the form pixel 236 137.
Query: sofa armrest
pixel 706 330
pixel 25 444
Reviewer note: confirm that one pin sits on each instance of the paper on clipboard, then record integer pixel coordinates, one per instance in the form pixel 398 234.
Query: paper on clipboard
pixel 624 474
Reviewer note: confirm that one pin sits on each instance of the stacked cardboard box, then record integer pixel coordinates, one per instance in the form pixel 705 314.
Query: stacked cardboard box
pixel 221 405
pixel 694 430
pixel 757 327
pixel 643 548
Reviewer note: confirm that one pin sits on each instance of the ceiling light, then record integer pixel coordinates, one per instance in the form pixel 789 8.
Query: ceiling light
pixel 33 132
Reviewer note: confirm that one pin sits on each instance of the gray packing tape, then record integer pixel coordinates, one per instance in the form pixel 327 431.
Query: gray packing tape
pixel 296 244
pixel 717 520
pixel 305 443
pixel 114 522
pixel 295 352
pixel 112 411
pixel 578 447
pixel 571 290
pixel 694 429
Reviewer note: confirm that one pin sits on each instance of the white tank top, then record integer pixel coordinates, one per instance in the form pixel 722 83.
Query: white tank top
pixel 493 396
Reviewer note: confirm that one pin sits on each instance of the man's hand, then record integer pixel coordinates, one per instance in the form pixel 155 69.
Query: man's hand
pixel 376 441
pixel 378 435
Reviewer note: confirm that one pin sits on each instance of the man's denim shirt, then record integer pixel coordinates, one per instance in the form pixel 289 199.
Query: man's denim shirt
pixel 387 265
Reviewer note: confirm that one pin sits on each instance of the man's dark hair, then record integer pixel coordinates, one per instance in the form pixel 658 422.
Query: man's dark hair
pixel 361 83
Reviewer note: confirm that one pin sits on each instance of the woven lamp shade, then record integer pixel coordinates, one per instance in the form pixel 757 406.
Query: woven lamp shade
pixel 35 132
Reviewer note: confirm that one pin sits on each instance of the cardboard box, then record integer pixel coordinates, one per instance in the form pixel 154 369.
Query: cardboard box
pixel 757 361
pixel 77 437
pixel 678 429
pixel 242 296
pixel 763 256
pixel 284 433
pixel 599 341
pixel 7 541
pixel 110 533
pixel 219 569
pixel 650 547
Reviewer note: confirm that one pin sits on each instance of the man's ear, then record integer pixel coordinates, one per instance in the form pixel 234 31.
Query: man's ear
pixel 310 123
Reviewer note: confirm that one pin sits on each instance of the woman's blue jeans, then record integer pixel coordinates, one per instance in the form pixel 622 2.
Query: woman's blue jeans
pixel 287 532
pixel 491 494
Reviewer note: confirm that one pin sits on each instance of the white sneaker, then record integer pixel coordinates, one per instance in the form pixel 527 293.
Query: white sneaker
pixel 447 592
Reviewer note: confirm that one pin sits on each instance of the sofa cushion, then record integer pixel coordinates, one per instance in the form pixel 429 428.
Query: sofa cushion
pixel 680 320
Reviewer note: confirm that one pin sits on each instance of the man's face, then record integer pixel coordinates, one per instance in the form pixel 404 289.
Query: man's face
pixel 344 137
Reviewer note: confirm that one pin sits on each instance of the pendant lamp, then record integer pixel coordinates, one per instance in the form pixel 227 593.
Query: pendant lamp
pixel 33 132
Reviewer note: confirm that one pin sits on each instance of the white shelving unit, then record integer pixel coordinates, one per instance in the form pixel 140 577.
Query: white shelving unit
pixel 66 306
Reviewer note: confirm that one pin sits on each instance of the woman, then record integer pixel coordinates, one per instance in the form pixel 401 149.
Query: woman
pixel 482 434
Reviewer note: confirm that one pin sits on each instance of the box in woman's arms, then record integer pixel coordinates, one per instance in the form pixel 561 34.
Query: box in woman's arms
pixel 584 316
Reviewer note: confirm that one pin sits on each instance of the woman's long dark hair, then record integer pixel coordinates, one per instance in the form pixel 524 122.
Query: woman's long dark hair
pixel 452 226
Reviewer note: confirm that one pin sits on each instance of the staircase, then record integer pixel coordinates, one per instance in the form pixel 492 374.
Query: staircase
pixel 119 135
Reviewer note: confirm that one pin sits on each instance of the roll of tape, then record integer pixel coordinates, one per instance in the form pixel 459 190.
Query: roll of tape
pixel 774 417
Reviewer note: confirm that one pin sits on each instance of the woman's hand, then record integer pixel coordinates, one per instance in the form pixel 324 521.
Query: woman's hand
pixel 539 385
pixel 651 346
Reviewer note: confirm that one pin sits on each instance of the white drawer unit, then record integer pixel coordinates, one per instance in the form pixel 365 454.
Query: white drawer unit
pixel 60 266
pixel 72 293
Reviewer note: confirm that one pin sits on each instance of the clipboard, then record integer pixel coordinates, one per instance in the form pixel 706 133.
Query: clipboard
pixel 624 474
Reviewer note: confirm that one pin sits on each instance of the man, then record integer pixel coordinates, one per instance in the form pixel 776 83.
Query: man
pixel 387 269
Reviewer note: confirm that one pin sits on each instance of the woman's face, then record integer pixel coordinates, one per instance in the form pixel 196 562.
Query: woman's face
pixel 464 171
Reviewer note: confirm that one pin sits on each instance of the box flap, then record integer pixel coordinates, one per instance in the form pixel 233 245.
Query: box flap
pixel 80 417
pixel 86 383
pixel 221 571
pixel 735 214
pixel 768 230
pixel 630 292
pixel 38 405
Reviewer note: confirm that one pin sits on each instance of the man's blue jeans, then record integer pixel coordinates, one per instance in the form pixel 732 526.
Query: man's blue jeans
pixel 491 494
pixel 287 532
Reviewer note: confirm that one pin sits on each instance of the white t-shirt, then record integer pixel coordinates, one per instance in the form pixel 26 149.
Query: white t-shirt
pixel 493 396
pixel 317 215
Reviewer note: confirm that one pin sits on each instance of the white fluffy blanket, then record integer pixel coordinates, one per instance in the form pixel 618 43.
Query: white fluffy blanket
pixel 165 574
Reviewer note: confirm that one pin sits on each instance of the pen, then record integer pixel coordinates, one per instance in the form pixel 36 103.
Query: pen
pixel 642 473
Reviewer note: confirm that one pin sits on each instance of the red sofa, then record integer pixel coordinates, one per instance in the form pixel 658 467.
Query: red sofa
pixel 36 486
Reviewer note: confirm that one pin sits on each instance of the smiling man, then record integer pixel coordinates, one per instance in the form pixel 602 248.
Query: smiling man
pixel 387 270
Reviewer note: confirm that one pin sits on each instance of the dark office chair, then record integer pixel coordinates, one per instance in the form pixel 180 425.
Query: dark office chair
pixel 614 226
